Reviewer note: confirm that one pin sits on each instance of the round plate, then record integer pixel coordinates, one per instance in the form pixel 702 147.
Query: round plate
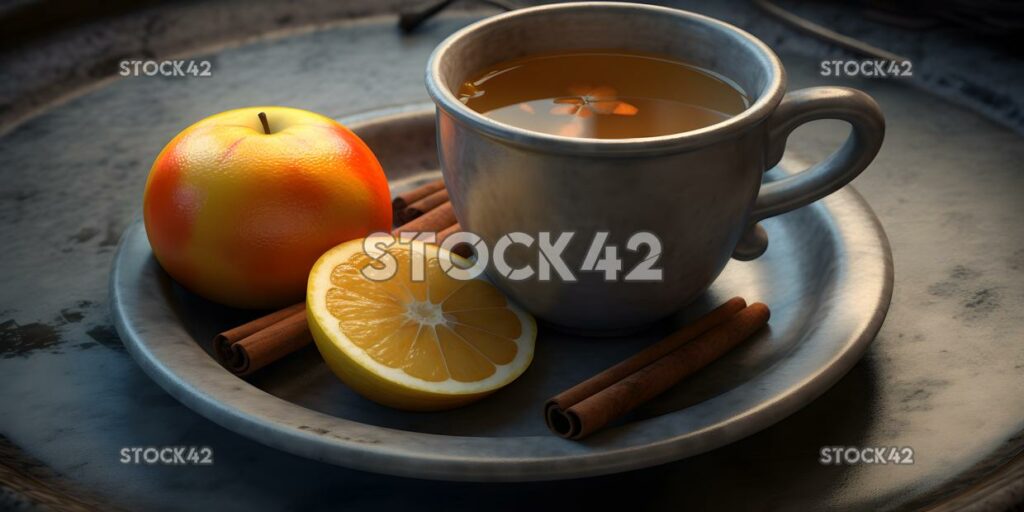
pixel 827 277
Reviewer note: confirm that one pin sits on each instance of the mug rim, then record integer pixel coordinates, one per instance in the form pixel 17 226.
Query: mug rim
pixel 446 100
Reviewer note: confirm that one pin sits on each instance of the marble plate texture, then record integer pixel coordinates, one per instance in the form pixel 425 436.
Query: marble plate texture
pixel 827 276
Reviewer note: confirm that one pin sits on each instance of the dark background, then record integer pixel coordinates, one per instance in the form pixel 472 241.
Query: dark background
pixel 946 187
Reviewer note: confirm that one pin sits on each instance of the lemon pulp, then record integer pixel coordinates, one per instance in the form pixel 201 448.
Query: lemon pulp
pixel 422 343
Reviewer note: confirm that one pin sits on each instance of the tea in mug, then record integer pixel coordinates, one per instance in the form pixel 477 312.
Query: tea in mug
pixel 602 94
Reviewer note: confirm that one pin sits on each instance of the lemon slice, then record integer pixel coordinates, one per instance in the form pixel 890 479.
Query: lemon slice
pixel 418 344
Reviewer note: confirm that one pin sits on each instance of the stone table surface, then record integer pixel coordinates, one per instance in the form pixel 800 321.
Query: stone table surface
pixel 944 376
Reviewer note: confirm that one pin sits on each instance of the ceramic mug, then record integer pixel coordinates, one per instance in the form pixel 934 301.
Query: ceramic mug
pixel 700 193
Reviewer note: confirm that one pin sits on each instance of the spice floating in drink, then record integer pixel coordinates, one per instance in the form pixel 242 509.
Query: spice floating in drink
pixel 602 94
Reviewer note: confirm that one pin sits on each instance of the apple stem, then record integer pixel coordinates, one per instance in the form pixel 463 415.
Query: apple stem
pixel 266 124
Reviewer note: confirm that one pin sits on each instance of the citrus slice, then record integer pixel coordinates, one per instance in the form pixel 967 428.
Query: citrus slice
pixel 426 342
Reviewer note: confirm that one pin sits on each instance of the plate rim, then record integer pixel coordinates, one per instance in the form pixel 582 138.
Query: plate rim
pixel 374 448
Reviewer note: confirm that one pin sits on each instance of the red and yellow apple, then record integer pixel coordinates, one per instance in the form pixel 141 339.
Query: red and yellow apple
pixel 237 210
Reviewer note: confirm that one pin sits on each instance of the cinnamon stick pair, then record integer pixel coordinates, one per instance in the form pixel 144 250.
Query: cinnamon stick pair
pixel 256 344
pixel 403 201
pixel 592 404
pixel 418 201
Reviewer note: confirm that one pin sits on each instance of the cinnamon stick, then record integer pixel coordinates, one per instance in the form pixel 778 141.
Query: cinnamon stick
pixel 464 250
pixel 402 201
pixel 595 411
pixel 447 232
pixel 421 206
pixel 655 351
pixel 266 339
pixel 435 220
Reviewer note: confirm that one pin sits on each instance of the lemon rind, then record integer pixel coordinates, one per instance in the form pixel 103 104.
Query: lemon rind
pixel 316 299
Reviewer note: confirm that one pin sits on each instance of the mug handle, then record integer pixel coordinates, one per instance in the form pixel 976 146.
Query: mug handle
pixel 798 107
